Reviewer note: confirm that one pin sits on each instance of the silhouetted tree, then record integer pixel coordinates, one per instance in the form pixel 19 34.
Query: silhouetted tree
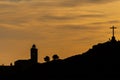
pixel 47 59
pixel 55 57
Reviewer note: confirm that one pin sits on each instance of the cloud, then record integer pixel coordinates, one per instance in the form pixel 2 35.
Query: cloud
pixel 14 22
pixel 14 0
pixel 83 2
pixel 53 17
pixel 69 17
pixel 107 22
pixel 9 33
pixel 78 2
pixel 60 3
pixel 5 5
pixel 78 27
pixel 92 15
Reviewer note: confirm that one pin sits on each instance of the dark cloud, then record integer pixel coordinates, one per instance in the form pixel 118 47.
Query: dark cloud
pixel 77 27
pixel 107 22
pixel 17 34
pixel 92 15
pixel 85 39
pixel 62 3
pixel 15 0
pixel 70 17
pixel 16 22
pixel 2 6
pixel 8 33
pixel 65 17
pixel 94 1
pixel 93 11
pixel 83 2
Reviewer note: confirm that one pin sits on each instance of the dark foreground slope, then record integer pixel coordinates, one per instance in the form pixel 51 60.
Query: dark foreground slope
pixel 103 60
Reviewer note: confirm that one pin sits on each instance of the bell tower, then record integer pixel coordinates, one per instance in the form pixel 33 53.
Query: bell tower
pixel 34 54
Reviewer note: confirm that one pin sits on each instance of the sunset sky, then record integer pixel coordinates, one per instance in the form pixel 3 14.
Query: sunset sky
pixel 63 27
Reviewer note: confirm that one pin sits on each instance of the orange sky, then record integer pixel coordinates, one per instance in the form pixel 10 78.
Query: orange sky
pixel 63 27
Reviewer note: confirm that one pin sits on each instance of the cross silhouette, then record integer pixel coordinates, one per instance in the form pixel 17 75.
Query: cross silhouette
pixel 113 28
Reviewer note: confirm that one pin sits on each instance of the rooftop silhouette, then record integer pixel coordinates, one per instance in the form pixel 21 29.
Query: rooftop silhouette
pixel 102 60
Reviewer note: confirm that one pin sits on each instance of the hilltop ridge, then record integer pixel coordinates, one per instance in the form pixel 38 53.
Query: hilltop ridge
pixel 102 60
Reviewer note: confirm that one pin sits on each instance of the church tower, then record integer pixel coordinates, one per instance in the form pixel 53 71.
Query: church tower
pixel 34 54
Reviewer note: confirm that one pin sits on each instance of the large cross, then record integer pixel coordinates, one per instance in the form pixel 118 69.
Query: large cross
pixel 113 28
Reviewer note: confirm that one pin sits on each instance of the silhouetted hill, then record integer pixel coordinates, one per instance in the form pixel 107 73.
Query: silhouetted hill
pixel 100 53
pixel 102 60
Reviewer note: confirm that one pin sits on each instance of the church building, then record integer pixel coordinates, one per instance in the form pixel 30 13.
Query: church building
pixel 33 58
